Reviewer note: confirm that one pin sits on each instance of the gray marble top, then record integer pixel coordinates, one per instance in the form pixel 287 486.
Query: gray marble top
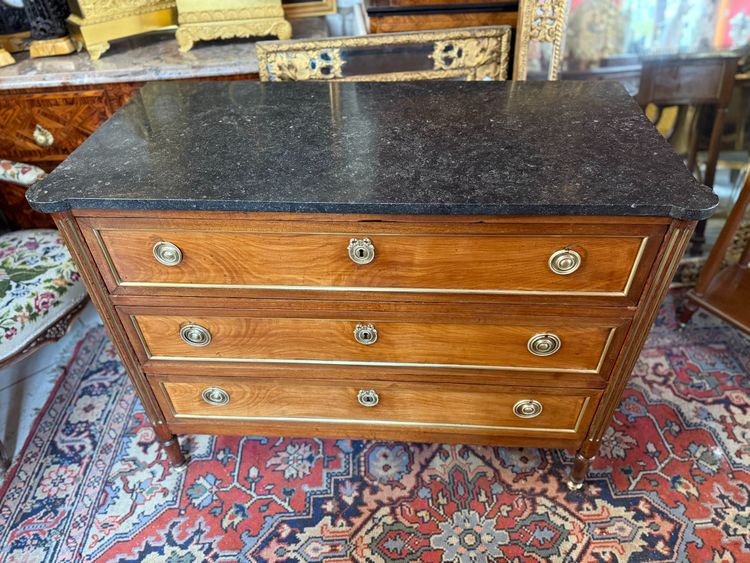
pixel 145 58
pixel 514 148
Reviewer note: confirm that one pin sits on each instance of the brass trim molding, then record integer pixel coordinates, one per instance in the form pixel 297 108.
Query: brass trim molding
pixel 519 428
pixel 371 289
pixel 151 356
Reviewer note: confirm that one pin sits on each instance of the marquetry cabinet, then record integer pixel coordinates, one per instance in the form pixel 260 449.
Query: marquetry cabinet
pixel 406 274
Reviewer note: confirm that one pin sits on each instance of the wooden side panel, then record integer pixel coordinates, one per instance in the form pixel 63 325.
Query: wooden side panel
pixel 480 409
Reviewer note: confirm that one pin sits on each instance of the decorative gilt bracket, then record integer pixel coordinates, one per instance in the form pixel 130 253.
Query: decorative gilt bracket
pixel 543 21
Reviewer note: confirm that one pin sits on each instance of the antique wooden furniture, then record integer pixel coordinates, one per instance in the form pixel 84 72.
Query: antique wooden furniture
pixel 41 292
pixel 446 260
pixel 474 54
pixel 692 81
pixel 539 25
pixel 725 290
pixel 201 20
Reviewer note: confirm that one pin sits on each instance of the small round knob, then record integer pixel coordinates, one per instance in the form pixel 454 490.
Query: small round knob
pixel 544 344
pixel 527 408
pixel 215 396
pixel 195 335
pixel 361 251
pixel 42 136
pixel 368 397
pixel 167 253
pixel 564 262
pixel 366 334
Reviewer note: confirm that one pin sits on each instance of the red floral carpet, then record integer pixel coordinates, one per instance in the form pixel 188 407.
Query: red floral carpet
pixel 672 482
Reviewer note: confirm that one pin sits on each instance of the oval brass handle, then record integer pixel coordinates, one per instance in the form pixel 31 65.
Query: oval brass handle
pixel 564 262
pixel 42 137
pixel 195 335
pixel 544 344
pixel 361 251
pixel 368 397
pixel 167 253
pixel 215 396
pixel 527 408
pixel 366 334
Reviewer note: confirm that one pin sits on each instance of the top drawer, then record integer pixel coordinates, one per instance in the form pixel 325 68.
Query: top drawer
pixel 198 257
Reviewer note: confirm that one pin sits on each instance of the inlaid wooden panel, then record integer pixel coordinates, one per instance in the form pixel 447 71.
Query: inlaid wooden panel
pixel 305 336
pixel 451 408
pixel 69 116
pixel 424 258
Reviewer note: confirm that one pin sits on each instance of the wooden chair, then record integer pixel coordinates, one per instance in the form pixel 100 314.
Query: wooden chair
pixel 699 82
pixel 724 290
pixel 41 292
pixel 480 53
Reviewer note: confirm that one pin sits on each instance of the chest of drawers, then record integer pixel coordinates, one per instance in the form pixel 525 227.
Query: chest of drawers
pixel 388 281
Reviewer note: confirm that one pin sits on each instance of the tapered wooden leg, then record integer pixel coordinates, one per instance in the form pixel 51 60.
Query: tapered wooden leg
pixel 578 472
pixel 686 312
pixel 171 446
pixel 4 458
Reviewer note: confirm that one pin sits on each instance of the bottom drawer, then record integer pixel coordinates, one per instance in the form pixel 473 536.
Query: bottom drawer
pixel 481 410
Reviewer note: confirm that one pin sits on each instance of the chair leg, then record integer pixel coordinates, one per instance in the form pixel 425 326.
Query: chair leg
pixel 4 459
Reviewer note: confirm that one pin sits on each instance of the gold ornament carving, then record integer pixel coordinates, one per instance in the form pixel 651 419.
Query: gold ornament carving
pixel 485 59
pixel 6 58
pixel 543 21
pixel 483 53
pixel 187 36
pixel 97 11
pixel 268 11
pixel 323 64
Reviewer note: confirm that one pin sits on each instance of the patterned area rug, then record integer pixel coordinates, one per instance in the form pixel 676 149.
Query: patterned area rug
pixel 672 482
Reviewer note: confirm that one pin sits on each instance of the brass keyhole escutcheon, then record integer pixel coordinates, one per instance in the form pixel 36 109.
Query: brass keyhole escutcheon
pixel 361 251
pixel 368 397
pixel 366 334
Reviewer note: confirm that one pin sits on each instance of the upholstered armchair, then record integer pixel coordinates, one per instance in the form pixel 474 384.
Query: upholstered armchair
pixel 41 291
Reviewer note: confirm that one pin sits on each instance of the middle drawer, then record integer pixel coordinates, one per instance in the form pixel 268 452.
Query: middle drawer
pixel 515 342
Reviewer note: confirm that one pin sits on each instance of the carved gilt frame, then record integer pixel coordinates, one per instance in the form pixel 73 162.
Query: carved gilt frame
pixel 485 52
pixel 543 21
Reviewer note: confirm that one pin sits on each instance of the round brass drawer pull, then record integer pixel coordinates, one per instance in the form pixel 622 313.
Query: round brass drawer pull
pixel 564 262
pixel 361 251
pixel 366 334
pixel 527 408
pixel 544 344
pixel 195 335
pixel 215 396
pixel 43 137
pixel 368 397
pixel 167 253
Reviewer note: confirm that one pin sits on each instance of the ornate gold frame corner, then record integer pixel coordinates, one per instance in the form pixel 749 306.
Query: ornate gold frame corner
pixel 543 21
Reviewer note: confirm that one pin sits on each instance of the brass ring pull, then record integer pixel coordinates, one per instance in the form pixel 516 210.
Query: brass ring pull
pixel 215 396
pixel 368 397
pixel 195 335
pixel 366 334
pixel 167 253
pixel 564 262
pixel 544 344
pixel 42 137
pixel 361 251
pixel 527 408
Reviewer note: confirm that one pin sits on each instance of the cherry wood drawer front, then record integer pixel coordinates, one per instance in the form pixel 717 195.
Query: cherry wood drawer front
pixel 482 409
pixel 239 336
pixel 415 258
